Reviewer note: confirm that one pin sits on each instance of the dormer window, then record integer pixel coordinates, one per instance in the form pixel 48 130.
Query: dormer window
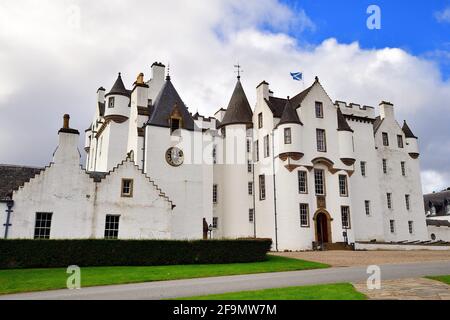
pixel 111 102
pixel 175 121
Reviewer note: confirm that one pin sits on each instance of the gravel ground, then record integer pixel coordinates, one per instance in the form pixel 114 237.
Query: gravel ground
pixel 362 258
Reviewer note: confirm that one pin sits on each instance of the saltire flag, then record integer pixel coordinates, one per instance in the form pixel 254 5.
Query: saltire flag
pixel 297 76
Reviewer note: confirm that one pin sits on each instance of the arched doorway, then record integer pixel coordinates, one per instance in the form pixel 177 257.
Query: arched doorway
pixel 323 227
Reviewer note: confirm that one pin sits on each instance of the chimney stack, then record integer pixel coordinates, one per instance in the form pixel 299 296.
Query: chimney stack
pixel 67 150
pixel 262 92
pixel 386 110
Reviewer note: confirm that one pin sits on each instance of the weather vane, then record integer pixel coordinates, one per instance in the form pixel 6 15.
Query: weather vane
pixel 238 67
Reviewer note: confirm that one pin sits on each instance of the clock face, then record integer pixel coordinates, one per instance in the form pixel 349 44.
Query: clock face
pixel 174 156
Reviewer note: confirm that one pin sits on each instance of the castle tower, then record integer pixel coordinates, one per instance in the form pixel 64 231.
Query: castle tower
pixel 233 191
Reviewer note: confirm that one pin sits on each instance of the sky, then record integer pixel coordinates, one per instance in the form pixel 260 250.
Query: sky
pixel 55 54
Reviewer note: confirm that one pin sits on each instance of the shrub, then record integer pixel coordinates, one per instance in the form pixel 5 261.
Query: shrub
pixel 62 253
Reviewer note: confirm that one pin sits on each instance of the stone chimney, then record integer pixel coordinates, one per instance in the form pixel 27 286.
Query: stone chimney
pixel 262 92
pixel 67 150
pixel 386 110
pixel 157 80
pixel 139 95
pixel 101 94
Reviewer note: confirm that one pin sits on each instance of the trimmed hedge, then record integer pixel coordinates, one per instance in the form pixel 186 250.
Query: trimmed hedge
pixel 62 253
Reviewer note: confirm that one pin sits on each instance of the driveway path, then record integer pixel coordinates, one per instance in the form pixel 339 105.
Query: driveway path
pixel 215 285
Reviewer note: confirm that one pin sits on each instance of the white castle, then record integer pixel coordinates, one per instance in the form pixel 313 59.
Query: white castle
pixel 303 171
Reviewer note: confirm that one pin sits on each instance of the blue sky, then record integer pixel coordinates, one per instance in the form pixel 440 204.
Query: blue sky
pixel 409 25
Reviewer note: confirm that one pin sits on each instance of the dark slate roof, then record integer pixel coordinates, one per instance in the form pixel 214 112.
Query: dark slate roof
pixel 289 115
pixel 297 100
pixel 12 177
pixel 97 176
pixel 439 200
pixel 238 111
pixel 119 88
pixel 164 105
pixel 438 223
pixel 377 123
pixel 407 131
pixel 342 123
pixel 276 105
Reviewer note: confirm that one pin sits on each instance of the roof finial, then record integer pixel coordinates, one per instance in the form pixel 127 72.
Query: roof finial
pixel 238 71
pixel 168 72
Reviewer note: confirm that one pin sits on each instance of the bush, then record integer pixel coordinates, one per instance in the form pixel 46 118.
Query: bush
pixel 62 253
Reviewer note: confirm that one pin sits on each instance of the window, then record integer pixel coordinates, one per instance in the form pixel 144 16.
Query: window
pixel 250 188
pixel 251 215
pixel 319 181
pixel 389 200
pixel 411 227
pixel 302 182
pixel 345 216
pixel 321 140
pixel 256 151
pixel 343 188
pixel 214 193
pixel 112 226
pixel 363 168
pixel 260 120
pixel 319 109
pixel 214 154
pixel 400 141
pixel 304 215
pixel 384 166
pixel 407 202
pixel 215 223
pixel 262 187
pixel 111 102
pixel 248 146
pixel 266 146
pixel 287 136
pixel 249 166
pixel 402 165
pixel 392 225
pixel 367 207
pixel 42 225
pixel 175 124
pixel 385 139
pixel 127 188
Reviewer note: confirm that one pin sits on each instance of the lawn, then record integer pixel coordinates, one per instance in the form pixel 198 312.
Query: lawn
pixel 338 291
pixel 444 279
pixel 25 280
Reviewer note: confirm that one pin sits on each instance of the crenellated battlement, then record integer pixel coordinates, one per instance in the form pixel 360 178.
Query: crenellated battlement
pixel 355 109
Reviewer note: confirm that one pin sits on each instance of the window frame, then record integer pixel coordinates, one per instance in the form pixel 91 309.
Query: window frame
pixel 411 227
pixel 42 232
pixel 367 208
pixel 403 168
pixel 251 215
pixel 323 182
pixel 256 150
pixel 363 168
pixel 266 146
pixel 345 212
pixel 384 166
pixel 390 204
pixel 319 114
pixel 287 135
pixel 321 141
pixel 400 143
pixel 250 188
pixel 408 202
pixel 299 179
pixel 110 232
pixel 128 194
pixel 260 120
pixel 392 226
pixel 249 166
pixel 262 187
pixel 215 195
pixel 345 186
pixel 304 215
pixel 111 102
pixel 385 139
pixel 215 222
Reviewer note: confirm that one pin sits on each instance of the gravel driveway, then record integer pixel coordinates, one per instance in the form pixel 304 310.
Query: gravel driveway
pixel 362 258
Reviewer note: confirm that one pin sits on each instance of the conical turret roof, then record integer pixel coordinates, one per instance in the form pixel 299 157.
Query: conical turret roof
pixel 119 88
pixel 407 131
pixel 238 111
pixel 289 115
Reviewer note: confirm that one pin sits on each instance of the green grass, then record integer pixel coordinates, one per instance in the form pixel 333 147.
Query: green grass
pixel 444 279
pixel 338 291
pixel 25 280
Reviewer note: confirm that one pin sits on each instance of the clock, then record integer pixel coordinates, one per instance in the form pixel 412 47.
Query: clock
pixel 174 156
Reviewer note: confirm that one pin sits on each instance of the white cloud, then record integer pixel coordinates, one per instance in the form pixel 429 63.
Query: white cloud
pixel 51 65
pixel 443 16
pixel 433 181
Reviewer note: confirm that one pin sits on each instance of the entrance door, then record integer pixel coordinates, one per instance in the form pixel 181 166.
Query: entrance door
pixel 322 228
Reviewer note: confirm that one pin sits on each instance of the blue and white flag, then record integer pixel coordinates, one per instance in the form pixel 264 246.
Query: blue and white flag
pixel 297 76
